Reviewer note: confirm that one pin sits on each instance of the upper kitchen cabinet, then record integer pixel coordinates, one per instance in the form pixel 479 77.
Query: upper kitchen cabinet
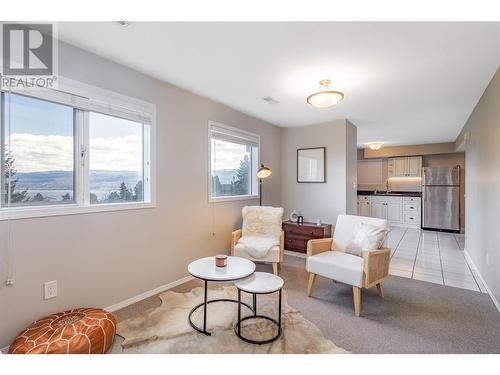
pixel 415 166
pixel 370 172
pixel 405 167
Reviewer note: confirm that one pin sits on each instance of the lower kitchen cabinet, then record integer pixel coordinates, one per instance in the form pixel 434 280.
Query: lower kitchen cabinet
pixel 378 209
pixel 397 210
pixel 394 209
pixel 364 208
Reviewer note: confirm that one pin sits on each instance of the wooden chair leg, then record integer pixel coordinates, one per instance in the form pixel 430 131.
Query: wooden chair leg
pixel 356 292
pixel 275 268
pixel 312 277
pixel 380 290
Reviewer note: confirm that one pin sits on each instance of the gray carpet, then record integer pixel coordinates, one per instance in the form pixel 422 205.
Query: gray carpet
pixel 414 317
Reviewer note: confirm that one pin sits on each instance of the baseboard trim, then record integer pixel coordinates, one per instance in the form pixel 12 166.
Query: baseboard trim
pixel 149 293
pixel 471 263
pixel 137 298
pixel 295 254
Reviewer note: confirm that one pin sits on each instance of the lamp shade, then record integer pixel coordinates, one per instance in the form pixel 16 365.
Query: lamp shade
pixel 263 172
pixel 325 97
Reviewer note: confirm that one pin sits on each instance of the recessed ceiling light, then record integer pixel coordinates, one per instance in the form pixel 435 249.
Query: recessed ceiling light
pixel 270 100
pixel 325 97
pixel 375 145
pixel 123 23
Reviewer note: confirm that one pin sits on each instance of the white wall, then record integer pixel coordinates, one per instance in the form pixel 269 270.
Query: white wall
pixel 100 259
pixel 482 185
pixel 321 200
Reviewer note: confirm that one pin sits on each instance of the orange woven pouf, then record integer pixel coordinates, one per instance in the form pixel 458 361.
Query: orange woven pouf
pixel 77 331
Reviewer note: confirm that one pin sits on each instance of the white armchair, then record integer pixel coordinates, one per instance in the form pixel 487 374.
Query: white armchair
pixel 261 222
pixel 326 257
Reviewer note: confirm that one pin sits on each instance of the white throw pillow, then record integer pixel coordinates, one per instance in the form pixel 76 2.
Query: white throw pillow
pixel 366 237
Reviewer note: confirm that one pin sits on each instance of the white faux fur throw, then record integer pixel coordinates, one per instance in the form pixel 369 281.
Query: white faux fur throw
pixel 261 229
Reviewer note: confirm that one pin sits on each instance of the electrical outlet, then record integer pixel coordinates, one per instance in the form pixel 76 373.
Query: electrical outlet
pixel 487 259
pixel 50 289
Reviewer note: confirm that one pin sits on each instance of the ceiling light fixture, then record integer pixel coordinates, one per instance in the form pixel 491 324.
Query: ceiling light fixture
pixel 325 97
pixel 375 145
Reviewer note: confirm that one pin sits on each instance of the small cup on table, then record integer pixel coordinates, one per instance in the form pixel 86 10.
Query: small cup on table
pixel 221 260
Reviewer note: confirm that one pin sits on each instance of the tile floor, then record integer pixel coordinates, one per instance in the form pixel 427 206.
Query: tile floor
pixel 431 256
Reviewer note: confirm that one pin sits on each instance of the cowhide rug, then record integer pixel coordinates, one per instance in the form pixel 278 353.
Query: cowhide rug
pixel 165 329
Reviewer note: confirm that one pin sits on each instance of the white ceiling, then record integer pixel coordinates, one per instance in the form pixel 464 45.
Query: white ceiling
pixel 404 83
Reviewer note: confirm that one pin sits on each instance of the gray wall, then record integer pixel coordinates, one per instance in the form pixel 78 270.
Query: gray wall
pixel 321 200
pixel 100 259
pixel 351 169
pixel 482 185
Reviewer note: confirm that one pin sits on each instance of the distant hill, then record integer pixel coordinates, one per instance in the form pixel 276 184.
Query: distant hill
pixel 63 180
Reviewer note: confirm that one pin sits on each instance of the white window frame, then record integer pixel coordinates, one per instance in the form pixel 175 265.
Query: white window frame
pixel 243 134
pixel 86 98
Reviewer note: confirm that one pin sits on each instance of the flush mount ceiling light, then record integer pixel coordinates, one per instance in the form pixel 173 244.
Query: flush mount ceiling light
pixel 375 145
pixel 325 97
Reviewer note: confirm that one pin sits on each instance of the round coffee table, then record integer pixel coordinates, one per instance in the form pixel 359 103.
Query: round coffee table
pixel 259 283
pixel 205 269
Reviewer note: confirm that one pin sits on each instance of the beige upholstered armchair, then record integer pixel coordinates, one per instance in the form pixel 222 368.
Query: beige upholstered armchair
pixel 326 257
pixel 261 222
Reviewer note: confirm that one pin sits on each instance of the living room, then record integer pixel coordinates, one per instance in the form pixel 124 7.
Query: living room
pixel 260 193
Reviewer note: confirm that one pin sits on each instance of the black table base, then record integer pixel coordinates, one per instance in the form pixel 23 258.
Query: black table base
pixel 205 303
pixel 237 328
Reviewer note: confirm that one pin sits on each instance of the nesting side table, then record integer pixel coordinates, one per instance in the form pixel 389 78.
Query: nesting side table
pixel 259 283
pixel 205 269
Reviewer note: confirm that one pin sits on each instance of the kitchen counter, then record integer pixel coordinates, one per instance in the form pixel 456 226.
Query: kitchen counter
pixel 391 194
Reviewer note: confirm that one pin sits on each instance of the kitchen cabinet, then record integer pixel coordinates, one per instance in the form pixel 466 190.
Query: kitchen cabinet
pixel 405 167
pixel 412 209
pixel 402 211
pixel 378 210
pixel 394 209
pixel 389 208
pixel 415 166
pixel 400 167
pixel 364 208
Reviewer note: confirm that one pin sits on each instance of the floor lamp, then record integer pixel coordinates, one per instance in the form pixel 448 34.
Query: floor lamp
pixel 262 173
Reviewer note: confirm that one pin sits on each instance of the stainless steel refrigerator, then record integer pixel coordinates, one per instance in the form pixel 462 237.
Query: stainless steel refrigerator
pixel 441 198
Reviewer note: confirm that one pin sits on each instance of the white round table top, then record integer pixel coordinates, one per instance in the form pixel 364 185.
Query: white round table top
pixel 260 282
pixel 236 268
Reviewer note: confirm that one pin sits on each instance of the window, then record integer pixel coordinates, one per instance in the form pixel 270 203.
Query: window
pixel 63 153
pixel 38 155
pixel 116 159
pixel 234 160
